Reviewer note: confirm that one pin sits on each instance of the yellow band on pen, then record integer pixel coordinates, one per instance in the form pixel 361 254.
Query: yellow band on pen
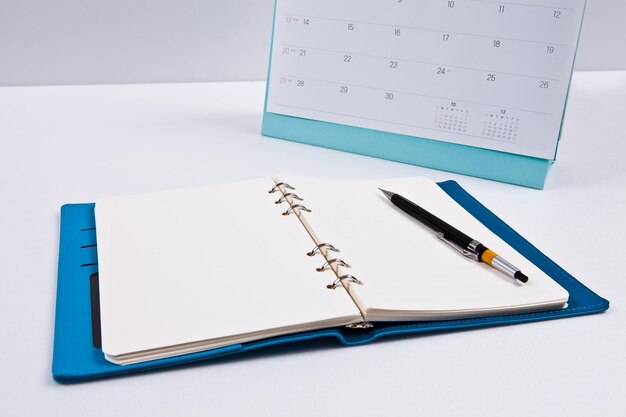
pixel 488 256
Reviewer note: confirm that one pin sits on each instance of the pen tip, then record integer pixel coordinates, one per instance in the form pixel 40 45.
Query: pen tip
pixel 388 194
pixel 521 277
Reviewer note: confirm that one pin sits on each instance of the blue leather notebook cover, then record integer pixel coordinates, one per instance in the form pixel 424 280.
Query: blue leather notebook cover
pixel 76 359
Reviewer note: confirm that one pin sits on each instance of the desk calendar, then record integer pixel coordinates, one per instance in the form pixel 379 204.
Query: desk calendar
pixel 483 82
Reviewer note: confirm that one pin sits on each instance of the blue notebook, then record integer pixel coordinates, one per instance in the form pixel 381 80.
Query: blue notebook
pixel 77 359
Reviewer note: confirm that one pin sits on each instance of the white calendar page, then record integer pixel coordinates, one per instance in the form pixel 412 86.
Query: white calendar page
pixel 482 73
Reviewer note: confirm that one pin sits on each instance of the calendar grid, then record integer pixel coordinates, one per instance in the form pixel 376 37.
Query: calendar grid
pixel 494 106
pixel 421 29
pixel 543 6
pixel 382 121
pixel 434 64
pixel 484 73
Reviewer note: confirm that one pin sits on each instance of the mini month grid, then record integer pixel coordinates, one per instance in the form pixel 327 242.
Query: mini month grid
pixel 483 73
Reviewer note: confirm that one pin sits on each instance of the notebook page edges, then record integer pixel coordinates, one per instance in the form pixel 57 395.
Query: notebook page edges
pixel 205 264
pixel 408 274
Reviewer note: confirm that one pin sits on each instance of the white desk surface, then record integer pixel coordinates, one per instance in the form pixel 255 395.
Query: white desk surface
pixel 76 144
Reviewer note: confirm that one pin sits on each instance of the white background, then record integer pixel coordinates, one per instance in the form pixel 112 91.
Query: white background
pixel 80 143
pixel 63 144
pixel 121 41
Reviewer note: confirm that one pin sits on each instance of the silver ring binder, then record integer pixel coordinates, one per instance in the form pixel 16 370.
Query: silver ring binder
pixel 321 248
pixel 317 249
pixel 329 264
pixel 284 197
pixel 277 186
pixel 338 281
pixel 293 208
pixel 360 325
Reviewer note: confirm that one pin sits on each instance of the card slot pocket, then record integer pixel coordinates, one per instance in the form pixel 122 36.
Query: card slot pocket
pixel 94 290
pixel 86 238
pixel 88 256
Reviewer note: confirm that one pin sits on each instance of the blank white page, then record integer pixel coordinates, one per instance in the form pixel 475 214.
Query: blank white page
pixel 204 263
pixel 482 73
pixel 403 266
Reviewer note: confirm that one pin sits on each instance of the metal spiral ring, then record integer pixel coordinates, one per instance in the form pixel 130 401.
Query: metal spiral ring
pixel 283 198
pixel 317 249
pixel 338 281
pixel 277 186
pixel 292 209
pixel 329 264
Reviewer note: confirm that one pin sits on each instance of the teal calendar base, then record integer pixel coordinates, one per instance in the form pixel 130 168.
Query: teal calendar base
pixel 462 159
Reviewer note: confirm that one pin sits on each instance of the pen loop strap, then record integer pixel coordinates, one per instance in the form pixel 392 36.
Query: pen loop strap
pixel 277 187
pixel 318 249
pixel 339 280
pixel 284 197
pixel 293 209
pixel 329 264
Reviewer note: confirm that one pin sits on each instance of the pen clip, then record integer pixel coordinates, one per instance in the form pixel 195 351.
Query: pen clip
pixel 469 254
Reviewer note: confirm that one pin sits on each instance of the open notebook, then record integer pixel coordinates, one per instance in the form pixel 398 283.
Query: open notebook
pixel 196 269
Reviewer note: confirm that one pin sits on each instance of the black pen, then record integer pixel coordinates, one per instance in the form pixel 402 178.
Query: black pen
pixel 468 247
